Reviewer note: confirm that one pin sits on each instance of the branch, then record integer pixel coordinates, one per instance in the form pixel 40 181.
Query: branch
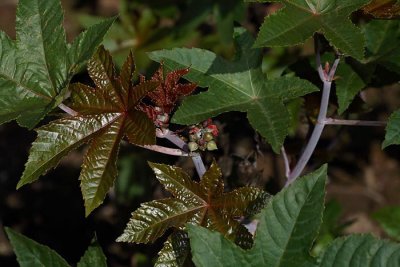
pixel 165 150
pixel 286 162
pixel 68 110
pixel 173 138
pixel 330 121
pixel 319 127
pixel 167 134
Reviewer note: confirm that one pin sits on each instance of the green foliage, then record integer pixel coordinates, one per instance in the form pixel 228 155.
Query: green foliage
pixel 348 85
pixel 176 251
pixel 287 228
pixel 300 19
pixel 203 203
pixel 93 257
pixel 36 68
pixel 30 253
pixel 382 43
pixel 236 86
pixel 105 115
pixel 388 218
pixel 392 136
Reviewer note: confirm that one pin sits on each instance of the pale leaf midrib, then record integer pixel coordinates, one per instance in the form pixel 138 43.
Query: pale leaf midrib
pixel 81 141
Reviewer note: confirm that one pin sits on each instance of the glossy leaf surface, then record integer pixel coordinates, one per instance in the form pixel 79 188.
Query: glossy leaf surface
pixel 298 20
pixel 36 68
pixel 237 85
pixel 203 203
pixel 30 253
pixel 175 252
pixel 287 229
pixel 106 114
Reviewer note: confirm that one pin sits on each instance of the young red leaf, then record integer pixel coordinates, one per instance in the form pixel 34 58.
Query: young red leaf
pixel 168 92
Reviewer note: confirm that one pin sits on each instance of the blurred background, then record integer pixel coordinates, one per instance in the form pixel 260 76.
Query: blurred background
pixel 364 180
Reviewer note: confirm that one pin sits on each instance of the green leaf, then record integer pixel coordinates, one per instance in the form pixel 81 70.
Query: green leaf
pixel 235 86
pixel 106 115
pixel 382 42
pixel 286 232
pixel 86 44
pixel 30 253
pixel 388 218
pixel 361 250
pixel 392 136
pixel 300 19
pixel 348 85
pixel 203 203
pixel 93 256
pixel 175 252
pixel 35 69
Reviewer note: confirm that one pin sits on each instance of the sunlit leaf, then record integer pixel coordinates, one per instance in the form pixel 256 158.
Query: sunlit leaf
pixel 36 68
pixel 202 203
pixel 298 20
pixel 237 85
pixel 176 251
pixel 106 114
pixel 287 229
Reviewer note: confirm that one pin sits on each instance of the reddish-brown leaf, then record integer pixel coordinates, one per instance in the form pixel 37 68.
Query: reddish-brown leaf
pixel 170 90
pixel 203 203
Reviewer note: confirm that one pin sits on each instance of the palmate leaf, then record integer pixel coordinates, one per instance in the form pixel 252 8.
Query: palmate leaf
pixel 203 203
pixel 37 67
pixel 300 19
pixel 288 226
pixel 235 86
pixel 30 253
pixel 382 43
pixel 106 114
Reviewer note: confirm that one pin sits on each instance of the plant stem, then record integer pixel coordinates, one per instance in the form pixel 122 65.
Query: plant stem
pixel 326 77
pixel 315 136
pixel 165 150
pixel 285 161
pixel 330 121
pixel 68 110
pixel 196 158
